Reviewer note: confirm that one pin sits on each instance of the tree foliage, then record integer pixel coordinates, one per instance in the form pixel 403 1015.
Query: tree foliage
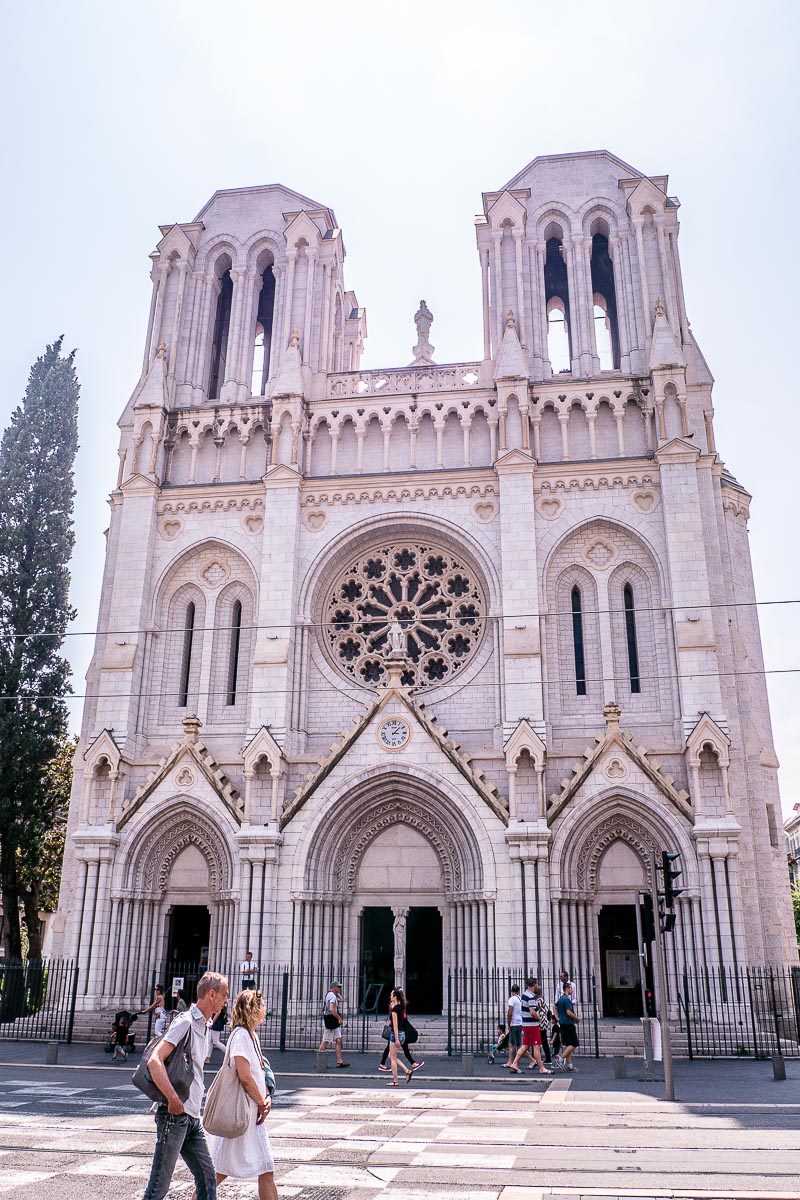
pixel 37 455
pixel 796 906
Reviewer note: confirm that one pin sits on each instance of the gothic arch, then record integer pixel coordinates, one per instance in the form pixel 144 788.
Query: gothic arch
pixel 155 848
pixel 337 841
pixel 615 814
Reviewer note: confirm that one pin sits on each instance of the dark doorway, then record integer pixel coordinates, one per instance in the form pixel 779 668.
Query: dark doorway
pixel 620 965
pixel 377 949
pixel 424 960
pixel 187 947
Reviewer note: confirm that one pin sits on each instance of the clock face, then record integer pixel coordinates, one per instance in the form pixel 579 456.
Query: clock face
pixel 393 733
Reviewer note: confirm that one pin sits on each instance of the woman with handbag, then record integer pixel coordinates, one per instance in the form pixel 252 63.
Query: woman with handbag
pixel 397 1018
pixel 411 1036
pixel 240 1098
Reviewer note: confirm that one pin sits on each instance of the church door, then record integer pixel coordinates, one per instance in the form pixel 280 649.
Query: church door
pixel 424 960
pixel 619 961
pixel 377 949
pixel 187 948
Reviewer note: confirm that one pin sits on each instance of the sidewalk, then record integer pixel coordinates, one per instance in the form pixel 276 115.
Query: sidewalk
pixel 703 1081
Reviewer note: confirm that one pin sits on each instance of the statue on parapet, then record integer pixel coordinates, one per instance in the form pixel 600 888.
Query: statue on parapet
pixel 423 351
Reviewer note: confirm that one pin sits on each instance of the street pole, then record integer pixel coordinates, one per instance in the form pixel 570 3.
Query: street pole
pixel 642 954
pixel 661 986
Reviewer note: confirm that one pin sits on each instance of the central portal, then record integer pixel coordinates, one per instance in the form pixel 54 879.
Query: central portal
pixel 404 944
pixel 619 961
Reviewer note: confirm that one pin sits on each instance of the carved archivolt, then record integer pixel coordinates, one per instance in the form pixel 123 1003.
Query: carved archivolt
pixel 159 850
pixel 614 829
pixel 373 822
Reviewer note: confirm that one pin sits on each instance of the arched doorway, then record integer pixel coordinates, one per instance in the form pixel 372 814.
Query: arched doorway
pixel 394 884
pixel 600 867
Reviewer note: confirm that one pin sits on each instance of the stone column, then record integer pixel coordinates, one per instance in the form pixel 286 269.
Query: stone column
pixel 499 318
pixel 638 225
pixel 540 309
pixel 623 332
pixel 521 316
pixel 308 315
pixel 487 324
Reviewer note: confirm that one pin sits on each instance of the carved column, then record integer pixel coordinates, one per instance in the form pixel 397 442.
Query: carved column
pixel 487 325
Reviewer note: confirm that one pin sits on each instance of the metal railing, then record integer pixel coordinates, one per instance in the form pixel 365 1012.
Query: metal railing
pixel 477 1001
pixel 740 1012
pixel 37 999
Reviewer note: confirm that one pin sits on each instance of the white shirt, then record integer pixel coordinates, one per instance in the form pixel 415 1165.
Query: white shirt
pixel 248 969
pixel 200 1051
pixel 560 993
pixel 515 1004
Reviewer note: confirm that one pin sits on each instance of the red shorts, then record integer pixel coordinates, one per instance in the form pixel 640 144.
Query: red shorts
pixel 531 1035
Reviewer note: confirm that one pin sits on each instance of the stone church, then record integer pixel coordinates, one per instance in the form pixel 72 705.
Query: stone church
pixel 413 668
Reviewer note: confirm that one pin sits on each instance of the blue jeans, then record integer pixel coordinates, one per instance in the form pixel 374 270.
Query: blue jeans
pixel 180 1135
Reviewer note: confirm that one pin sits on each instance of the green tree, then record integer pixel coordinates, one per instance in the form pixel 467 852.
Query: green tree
pixel 39 870
pixel 796 906
pixel 37 455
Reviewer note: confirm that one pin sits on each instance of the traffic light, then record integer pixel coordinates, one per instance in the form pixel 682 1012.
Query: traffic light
pixel 670 893
pixel 646 917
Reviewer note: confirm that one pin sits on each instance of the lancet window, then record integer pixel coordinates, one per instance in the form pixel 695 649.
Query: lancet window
pixel 630 638
pixel 221 332
pixel 577 641
pixel 186 656
pixel 262 347
pixel 606 323
pixel 556 288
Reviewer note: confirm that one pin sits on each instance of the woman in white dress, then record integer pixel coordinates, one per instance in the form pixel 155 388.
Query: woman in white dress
pixel 249 1155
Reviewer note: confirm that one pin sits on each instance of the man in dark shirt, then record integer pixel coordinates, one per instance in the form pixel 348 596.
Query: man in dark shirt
pixel 568 1024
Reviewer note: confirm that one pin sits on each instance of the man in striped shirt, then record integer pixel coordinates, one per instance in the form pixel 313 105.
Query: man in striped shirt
pixel 531 1033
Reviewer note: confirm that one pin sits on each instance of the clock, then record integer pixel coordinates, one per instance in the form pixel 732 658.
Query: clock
pixel 393 733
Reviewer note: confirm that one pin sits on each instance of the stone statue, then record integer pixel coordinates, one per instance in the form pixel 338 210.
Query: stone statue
pixel 399 930
pixel 423 319
pixel 423 351
pixel 396 640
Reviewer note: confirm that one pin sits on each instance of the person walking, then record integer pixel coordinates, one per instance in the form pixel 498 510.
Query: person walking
pixel 332 1020
pixel 514 1023
pixel 568 1024
pixel 249 1155
pixel 159 1010
pixel 545 1021
pixel 397 1016
pixel 216 1031
pixel 178 1128
pixel 382 1065
pixel 531 1033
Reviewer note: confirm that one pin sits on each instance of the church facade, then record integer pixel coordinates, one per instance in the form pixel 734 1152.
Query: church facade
pixel 423 662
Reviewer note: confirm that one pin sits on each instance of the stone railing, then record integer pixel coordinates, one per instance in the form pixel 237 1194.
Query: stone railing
pixel 403 380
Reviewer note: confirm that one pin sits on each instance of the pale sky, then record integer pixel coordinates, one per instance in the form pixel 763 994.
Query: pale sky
pixel 118 118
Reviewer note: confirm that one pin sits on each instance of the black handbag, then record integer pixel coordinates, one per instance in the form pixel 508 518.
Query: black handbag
pixel 411 1033
pixel 179 1068
pixel 331 1022
pixel 387 1032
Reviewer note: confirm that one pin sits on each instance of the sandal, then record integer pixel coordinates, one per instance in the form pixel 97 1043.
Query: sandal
pixel 392 1083
pixel 515 1070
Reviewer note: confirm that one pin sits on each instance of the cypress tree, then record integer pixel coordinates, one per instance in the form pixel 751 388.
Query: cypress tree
pixel 37 455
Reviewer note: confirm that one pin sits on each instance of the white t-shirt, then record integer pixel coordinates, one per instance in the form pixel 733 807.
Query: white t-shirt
pixel 194 1020
pixel 515 1004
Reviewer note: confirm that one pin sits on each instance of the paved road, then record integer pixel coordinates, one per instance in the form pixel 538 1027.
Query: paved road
pixel 85 1131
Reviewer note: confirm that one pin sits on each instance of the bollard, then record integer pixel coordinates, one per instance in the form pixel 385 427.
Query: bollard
pixel 620 1067
pixel 466 1064
pixel 322 1060
pixel 52 1055
pixel 778 1067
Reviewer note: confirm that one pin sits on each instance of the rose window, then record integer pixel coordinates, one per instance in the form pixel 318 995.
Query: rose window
pixel 433 596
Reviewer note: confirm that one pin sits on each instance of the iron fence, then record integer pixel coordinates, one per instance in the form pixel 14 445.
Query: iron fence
pixel 37 999
pixel 740 1012
pixel 477 1001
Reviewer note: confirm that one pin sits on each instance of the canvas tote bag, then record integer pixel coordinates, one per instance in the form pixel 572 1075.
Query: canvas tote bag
pixel 227 1111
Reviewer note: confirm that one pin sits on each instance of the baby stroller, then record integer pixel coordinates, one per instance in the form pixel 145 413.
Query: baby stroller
pixel 122 1042
pixel 500 1045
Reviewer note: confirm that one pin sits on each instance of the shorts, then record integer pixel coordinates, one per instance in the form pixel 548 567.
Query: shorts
pixel 331 1036
pixel 569 1034
pixel 531 1035
pixel 515 1036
